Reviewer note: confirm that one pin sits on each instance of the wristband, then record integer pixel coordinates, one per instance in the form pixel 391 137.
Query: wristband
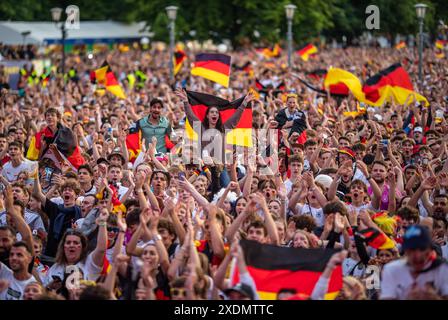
pixel 369 177
pixel 157 237
pixel 102 223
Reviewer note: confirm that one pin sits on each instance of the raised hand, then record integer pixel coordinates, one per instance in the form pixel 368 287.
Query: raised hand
pixel 182 95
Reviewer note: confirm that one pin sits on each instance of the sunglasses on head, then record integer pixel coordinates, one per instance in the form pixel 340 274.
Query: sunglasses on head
pixel 178 292
pixel 113 229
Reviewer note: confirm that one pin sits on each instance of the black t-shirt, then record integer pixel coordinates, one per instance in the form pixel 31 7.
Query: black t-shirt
pixel 61 219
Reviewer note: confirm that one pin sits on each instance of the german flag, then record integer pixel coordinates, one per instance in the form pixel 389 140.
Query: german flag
pixel 274 268
pixel 307 51
pixel 341 82
pixel 179 58
pixel 65 143
pixel 439 47
pixel 317 74
pixel 134 141
pixel 394 82
pixel 400 45
pixel 275 52
pixel 279 88
pixel 440 44
pixel 116 203
pixel 376 239
pixel 214 67
pixel 241 135
pixel 104 76
pixel 247 68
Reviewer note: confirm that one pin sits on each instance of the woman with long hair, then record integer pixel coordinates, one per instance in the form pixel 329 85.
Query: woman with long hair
pixel 73 251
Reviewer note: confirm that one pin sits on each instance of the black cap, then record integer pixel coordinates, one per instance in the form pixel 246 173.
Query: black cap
pixel 417 237
pixel 243 289
pixel 102 160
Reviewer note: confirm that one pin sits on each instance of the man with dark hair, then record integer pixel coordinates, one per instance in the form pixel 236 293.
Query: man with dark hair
pixel 17 163
pixel 85 177
pixel 61 216
pixel 17 275
pixel 420 269
pixel 155 125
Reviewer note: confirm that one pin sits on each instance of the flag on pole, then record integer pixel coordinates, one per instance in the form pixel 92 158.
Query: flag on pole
pixel 307 51
pixel 214 67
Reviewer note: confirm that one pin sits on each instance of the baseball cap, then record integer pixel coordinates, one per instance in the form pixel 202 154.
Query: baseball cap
pixel 324 179
pixel 417 237
pixel 241 288
pixel 418 129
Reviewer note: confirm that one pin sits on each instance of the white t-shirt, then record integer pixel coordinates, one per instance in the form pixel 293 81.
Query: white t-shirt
pixel 32 219
pixel 351 267
pixel 316 213
pixel 16 288
pixel 397 281
pixel 11 173
pixel 88 268
pixel 350 207
pixel 288 184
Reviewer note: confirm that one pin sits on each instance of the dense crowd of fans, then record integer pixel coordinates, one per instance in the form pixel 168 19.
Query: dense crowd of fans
pixel 162 226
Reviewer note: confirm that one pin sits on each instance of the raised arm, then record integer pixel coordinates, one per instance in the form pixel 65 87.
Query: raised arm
pixel 216 236
pixel 101 244
pixel 17 218
pixel 194 193
pixel 191 117
pixel 236 116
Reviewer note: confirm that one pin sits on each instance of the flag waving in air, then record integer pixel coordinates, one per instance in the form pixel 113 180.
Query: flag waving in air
pixel 400 45
pixel 307 51
pixel 394 82
pixel 105 77
pixel 214 67
pixel 274 268
pixel 179 58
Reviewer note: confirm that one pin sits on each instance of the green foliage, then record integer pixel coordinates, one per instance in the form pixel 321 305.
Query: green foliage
pixel 238 19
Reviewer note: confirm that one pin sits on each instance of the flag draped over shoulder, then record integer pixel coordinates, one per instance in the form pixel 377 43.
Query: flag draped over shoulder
pixel 307 51
pixel 179 58
pixel 105 77
pixel 65 142
pixel 241 135
pixel 214 67
pixel 274 268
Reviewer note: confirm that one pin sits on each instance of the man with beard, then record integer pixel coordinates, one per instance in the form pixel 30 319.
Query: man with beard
pixel 420 269
pixel 154 125
pixel 379 173
pixel 16 276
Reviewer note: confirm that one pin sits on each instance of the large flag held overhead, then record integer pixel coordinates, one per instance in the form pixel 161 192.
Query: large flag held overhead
pixel 179 58
pixel 105 77
pixel 307 51
pixel 214 67
pixel 241 135
pixel 274 268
